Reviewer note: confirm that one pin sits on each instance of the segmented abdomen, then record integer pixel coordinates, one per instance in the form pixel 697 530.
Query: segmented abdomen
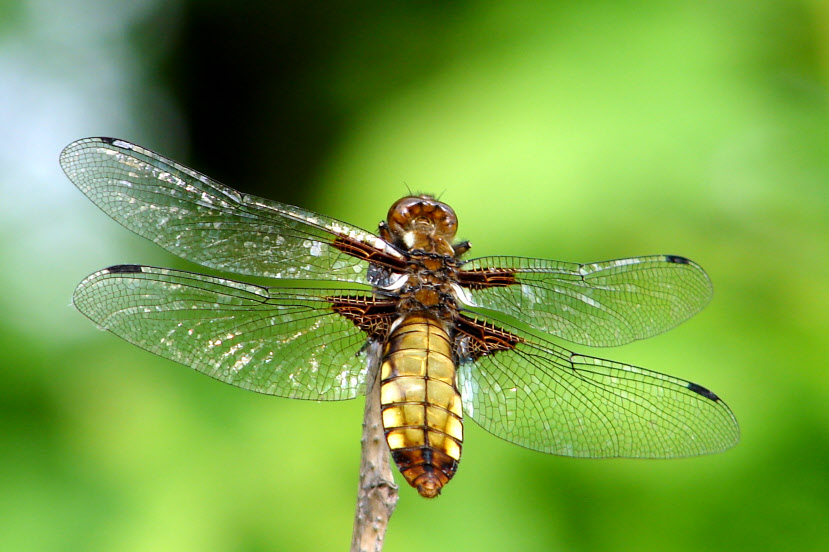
pixel 421 404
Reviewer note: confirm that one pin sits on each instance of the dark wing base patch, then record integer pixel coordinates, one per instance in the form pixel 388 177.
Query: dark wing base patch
pixel 370 315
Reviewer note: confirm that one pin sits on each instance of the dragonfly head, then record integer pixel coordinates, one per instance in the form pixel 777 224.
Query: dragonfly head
pixel 414 221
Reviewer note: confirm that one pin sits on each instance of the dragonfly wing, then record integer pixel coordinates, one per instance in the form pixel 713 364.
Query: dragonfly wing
pixel 598 304
pixel 201 220
pixel 543 397
pixel 285 342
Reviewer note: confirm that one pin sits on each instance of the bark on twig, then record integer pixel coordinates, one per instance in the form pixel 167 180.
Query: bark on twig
pixel 377 495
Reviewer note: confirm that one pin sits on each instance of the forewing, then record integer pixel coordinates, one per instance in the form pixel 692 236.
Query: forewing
pixel 546 398
pixel 289 343
pixel 598 304
pixel 206 222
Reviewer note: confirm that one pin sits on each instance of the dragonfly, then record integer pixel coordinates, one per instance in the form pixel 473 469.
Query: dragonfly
pixel 438 320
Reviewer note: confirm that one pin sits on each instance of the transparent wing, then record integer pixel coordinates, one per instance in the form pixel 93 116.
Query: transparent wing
pixel 288 343
pixel 598 304
pixel 206 222
pixel 546 398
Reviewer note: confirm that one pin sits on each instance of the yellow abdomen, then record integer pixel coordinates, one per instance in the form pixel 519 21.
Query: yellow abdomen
pixel 421 404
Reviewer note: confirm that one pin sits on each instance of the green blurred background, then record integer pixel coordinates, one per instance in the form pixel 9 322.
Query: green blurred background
pixel 578 131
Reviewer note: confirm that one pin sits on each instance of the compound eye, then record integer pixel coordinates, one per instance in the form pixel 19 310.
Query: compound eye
pixel 448 225
pixel 401 213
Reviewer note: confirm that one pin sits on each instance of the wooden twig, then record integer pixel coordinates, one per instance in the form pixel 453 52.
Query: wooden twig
pixel 377 495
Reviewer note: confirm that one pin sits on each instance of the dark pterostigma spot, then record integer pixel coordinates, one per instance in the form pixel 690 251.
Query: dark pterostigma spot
pixel 699 389
pixel 677 259
pixel 122 269
pixel 107 140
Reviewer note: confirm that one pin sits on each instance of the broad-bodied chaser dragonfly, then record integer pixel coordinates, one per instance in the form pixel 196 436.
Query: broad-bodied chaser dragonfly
pixel 443 356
